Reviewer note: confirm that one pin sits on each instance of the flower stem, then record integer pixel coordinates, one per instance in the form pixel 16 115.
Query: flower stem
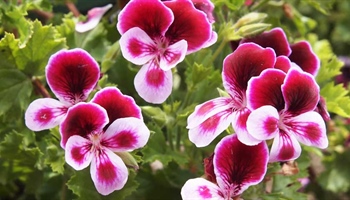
pixel 218 51
pixel 40 88
pixel 71 6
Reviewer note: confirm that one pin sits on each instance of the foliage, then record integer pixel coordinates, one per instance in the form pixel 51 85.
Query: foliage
pixel 32 165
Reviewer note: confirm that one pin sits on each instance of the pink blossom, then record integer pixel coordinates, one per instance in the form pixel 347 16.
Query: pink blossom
pixel 71 75
pixel 93 18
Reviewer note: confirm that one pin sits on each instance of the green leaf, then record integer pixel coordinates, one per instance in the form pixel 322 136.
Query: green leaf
pixel 15 90
pixel 67 30
pixel 337 99
pixel 158 149
pixel 14 149
pixel 81 184
pixel 232 4
pixel 7 45
pixel 33 56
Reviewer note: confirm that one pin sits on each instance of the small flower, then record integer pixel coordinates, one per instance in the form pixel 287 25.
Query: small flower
pixel 236 167
pixel 71 75
pixel 283 109
pixel 158 35
pixel 214 116
pixel 89 142
pixel 93 18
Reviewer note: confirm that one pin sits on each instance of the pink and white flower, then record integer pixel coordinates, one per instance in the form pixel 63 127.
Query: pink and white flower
pixel 94 16
pixel 158 35
pixel 89 136
pixel 236 167
pixel 283 109
pixel 211 118
pixel 71 75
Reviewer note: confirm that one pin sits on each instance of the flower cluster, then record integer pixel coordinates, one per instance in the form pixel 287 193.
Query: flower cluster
pixel 267 98
pixel 90 131
pixel 158 35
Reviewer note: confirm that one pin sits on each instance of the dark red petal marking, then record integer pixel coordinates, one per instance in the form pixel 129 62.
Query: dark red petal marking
pixel 287 150
pixel 239 166
pixel 189 24
pixel 79 153
pixel 247 61
pixel 151 16
pixel 116 104
pixel 275 38
pixel 72 74
pixel 301 92
pixel 303 56
pixel 266 90
pixel 83 119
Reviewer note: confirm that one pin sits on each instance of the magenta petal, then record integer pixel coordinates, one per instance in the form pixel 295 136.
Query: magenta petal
pixel 303 56
pixel 189 24
pixel 266 90
pixel 153 84
pixel 116 104
pixel 298 97
pixel 151 16
pixel 208 130
pixel 283 63
pixel 207 7
pixel 240 126
pixel 108 172
pixel 263 122
pixel 137 47
pixel 285 147
pixel 309 129
pixel 238 166
pixel 173 55
pixel 78 152
pixel 200 189
pixel 83 119
pixel 247 61
pixel 93 18
pixel 44 113
pixel 126 134
pixel 208 109
pixel 275 38
pixel 72 75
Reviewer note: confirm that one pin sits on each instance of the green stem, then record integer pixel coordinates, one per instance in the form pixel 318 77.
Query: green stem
pixel 218 51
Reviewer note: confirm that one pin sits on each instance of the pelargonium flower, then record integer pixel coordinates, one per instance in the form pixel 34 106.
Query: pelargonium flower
pixel 211 118
pixel 93 18
pixel 283 109
pixel 71 75
pixel 159 45
pixel 299 53
pixel 236 167
pixel 87 141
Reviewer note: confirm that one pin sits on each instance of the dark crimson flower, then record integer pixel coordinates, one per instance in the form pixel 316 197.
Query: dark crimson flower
pixel 214 116
pixel 158 35
pixel 283 109
pixel 71 75
pixel 236 167
pixel 86 141
pixel 93 18
pixel 299 53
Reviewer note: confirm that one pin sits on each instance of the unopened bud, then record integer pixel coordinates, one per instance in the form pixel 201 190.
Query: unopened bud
pixel 252 29
pixel 250 18
pixel 128 159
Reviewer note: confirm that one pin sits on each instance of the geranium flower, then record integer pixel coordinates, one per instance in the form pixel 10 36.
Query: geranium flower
pixel 71 75
pixel 283 109
pixel 93 18
pixel 89 142
pixel 299 53
pixel 211 118
pixel 158 35
pixel 236 167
